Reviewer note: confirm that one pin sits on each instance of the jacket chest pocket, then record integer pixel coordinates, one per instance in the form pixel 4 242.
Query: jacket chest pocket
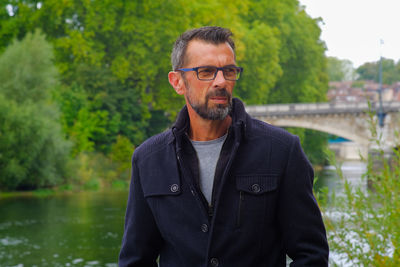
pixel 161 189
pixel 164 197
pixel 257 197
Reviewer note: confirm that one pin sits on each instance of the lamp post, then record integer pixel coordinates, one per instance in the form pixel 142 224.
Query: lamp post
pixel 380 113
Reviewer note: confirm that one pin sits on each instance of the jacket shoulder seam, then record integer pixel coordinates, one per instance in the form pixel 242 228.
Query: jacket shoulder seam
pixel 151 146
pixel 272 131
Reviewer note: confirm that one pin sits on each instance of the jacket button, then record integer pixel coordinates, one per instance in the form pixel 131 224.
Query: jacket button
pixel 256 188
pixel 204 228
pixel 174 188
pixel 214 262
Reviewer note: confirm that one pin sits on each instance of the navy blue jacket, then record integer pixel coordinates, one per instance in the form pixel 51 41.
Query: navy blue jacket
pixel 263 207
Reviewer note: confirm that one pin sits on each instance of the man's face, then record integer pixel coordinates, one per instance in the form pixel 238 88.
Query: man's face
pixel 211 100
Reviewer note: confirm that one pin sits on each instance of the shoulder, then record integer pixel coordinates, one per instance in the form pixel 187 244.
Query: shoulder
pixel 260 129
pixel 285 148
pixel 153 145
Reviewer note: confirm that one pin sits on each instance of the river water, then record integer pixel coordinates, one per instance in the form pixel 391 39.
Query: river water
pixel 80 229
pixel 84 229
pixel 353 172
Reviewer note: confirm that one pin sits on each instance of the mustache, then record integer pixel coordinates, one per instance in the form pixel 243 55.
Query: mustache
pixel 220 92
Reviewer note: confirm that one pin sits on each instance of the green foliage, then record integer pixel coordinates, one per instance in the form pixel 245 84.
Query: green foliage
pixel 300 76
pixel 113 58
pixel 313 144
pixel 363 224
pixel 77 121
pixel 370 71
pixel 340 70
pixel 122 150
pixel 301 58
pixel 33 149
pixel 358 84
pixel 26 70
pixel 95 171
pixel 261 65
pixel 120 185
pixel 114 47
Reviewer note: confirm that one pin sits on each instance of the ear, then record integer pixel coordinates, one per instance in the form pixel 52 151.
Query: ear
pixel 176 81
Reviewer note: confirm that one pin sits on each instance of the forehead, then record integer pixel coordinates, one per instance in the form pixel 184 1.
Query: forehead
pixel 201 53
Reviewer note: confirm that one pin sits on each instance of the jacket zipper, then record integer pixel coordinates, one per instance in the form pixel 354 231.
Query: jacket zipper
pixel 211 205
pixel 241 199
pixel 210 211
pixel 185 174
pixel 225 173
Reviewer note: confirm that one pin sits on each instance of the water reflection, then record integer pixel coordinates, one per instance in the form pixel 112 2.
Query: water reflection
pixel 353 172
pixel 81 229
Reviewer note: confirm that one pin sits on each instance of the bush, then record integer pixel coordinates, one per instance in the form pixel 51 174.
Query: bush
pixel 364 223
pixel 94 170
pixel 33 148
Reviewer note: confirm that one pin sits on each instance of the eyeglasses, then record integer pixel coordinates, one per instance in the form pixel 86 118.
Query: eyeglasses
pixel 208 73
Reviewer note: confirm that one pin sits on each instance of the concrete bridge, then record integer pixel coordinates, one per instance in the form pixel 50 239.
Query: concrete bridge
pixel 348 120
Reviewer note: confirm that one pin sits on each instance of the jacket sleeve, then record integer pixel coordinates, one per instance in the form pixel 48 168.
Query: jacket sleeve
pixel 141 241
pixel 299 216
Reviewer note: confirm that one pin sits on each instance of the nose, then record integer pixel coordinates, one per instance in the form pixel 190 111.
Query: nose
pixel 219 80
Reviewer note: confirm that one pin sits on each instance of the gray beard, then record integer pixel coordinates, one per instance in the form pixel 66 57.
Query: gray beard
pixel 218 112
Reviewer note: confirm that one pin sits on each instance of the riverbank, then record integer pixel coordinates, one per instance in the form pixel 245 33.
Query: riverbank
pixel 67 190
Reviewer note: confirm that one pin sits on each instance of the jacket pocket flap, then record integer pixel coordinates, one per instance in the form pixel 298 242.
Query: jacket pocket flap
pixel 160 183
pixel 256 184
pixel 162 188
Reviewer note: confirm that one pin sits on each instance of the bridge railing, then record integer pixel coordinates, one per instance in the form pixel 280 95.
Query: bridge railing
pixel 320 108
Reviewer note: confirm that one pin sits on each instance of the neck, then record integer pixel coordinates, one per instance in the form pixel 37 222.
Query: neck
pixel 205 130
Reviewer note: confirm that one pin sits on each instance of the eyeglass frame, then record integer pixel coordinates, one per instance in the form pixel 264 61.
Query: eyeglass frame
pixel 196 69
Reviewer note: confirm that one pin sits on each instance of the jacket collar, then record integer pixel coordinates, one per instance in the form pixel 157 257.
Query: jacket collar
pixel 239 117
pixel 238 114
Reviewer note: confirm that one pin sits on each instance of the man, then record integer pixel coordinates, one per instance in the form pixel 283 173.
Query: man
pixel 220 188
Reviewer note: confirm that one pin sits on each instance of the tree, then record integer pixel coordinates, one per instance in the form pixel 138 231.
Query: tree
pixel 114 56
pixel 260 62
pixel 33 150
pixel 301 76
pixel 370 71
pixel 340 70
pixel 27 72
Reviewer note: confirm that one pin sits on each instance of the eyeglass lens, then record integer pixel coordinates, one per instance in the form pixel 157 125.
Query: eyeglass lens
pixel 209 73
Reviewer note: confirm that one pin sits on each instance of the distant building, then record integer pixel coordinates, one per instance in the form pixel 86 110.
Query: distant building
pixel 396 91
pixel 360 91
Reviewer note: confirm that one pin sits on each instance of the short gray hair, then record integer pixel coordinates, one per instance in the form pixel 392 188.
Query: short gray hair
pixel 210 34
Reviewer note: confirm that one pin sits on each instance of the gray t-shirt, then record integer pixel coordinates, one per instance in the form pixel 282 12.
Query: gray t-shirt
pixel 208 155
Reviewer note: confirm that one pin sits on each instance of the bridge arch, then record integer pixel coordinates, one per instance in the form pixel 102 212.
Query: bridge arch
pixel 332 126
pixel 348 120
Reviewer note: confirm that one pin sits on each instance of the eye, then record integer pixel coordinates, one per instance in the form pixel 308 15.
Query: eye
pixel 207 70
pixel 230 70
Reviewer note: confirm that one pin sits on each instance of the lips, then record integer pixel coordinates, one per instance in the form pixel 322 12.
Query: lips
pixel 219 99
pixel 219 96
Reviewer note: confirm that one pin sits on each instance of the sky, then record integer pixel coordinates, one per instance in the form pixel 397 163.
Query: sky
pixel 353 29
